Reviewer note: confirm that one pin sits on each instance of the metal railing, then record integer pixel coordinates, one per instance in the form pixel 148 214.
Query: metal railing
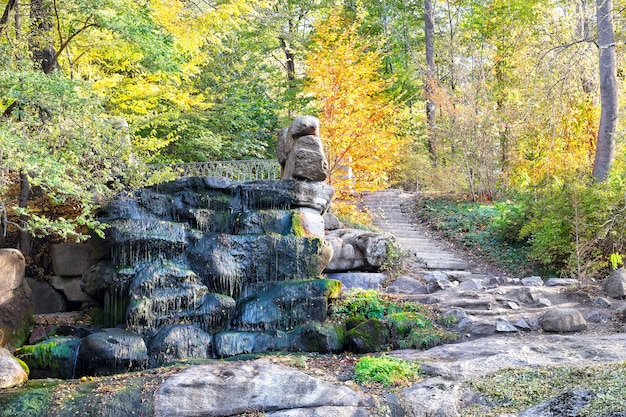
pixel 241 170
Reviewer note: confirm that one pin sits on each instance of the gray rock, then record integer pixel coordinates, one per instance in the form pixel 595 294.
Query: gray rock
pixel 74 292
pixel 70 259
pixel 563 320
pixel 472 284
pixel 226 389
pixel 434 397
pixel 407 285
pixel 300 151
pixel 503 326
pixel 357 250
pixel 471 326
pixel 45 298
pixel 179 341
pixel 457 313
pixel 435 276
pixel 543 302
pixel 111 351
pixel 364 280
pixel 513 305
pixel 561 282
pixel 331 222
pixel 563 405
pixel 594 316
pixel 532 281
pixel 602 302
pixel 615 284
pixel 522 324
pixel 11 372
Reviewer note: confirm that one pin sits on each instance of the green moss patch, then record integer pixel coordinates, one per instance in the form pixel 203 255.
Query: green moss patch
pixel 386 371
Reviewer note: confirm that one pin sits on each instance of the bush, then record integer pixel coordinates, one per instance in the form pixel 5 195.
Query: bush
pixel 386 371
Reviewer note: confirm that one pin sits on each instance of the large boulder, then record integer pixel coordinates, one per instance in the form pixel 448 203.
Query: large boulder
pixel 46 299
pixel 11 372
pixel 52 358
pixel 71 259
pixel 357 250
pixel 228 389
pixel 179 341
pixel 111 351
pixel 563 320
pixel 615 284
pixel 16 306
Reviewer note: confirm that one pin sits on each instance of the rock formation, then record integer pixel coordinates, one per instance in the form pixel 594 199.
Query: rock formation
pixel 300 151
pixel 16 307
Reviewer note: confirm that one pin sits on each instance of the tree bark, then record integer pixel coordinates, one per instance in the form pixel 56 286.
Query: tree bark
pixel 605 145
pixel 25 239
pixel 429 31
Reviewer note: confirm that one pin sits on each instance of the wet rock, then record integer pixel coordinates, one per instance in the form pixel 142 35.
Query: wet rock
pixel 615 285
pixel 363 280
pixel 70 259
pixel 369 336
pixel 226 389
pixel 53 358
pixel 563 320
pixel 74 293
pixel 564 405
pixel 11 372
pixel 357 250
pixel 45 298
pixel 182 341
pixel 407 285
pixel 532 281
pixel 285 305
pixel 111 351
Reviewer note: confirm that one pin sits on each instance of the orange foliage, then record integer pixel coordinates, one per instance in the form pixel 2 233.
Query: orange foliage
pixel 359 123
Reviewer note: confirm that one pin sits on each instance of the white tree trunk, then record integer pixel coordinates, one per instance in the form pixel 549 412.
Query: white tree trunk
pixel 605 145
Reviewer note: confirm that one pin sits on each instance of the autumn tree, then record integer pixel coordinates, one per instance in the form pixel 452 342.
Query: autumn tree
pixel 360 125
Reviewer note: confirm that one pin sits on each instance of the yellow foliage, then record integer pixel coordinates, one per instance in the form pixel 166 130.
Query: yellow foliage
pixel 359 123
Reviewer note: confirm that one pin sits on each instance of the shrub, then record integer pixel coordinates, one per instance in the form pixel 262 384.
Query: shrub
pixel 386 371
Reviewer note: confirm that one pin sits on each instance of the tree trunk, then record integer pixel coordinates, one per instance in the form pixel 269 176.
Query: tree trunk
pixel 41 47
pixel 25 239
pixel 605 145
pixel 429 31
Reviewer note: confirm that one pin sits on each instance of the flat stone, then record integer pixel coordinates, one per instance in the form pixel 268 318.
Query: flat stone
pixel 543 302
pixel 513 305
pixel 561 282
pixel 364 280
pixel 532 281
pixel 227 389
pixel 434 397
pixel 407 285
pixel 74 292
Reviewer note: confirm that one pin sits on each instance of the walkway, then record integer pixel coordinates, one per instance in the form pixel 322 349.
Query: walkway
pixel 386 208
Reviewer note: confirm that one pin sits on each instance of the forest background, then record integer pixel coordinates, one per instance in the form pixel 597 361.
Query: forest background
pixel 510 103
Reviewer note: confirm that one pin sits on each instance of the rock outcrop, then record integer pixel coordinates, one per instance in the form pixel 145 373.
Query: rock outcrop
pixel 11 372
pixel 300 151
pixel 16 307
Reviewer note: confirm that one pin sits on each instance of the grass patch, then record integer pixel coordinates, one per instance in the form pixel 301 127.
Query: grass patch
pixel 514 390
pixel 385 371
pixel 484 227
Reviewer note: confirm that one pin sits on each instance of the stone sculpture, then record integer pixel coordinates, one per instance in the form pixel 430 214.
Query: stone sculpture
pixel 300 151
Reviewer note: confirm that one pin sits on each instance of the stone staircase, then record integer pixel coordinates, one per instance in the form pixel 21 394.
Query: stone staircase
pixel 386 209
